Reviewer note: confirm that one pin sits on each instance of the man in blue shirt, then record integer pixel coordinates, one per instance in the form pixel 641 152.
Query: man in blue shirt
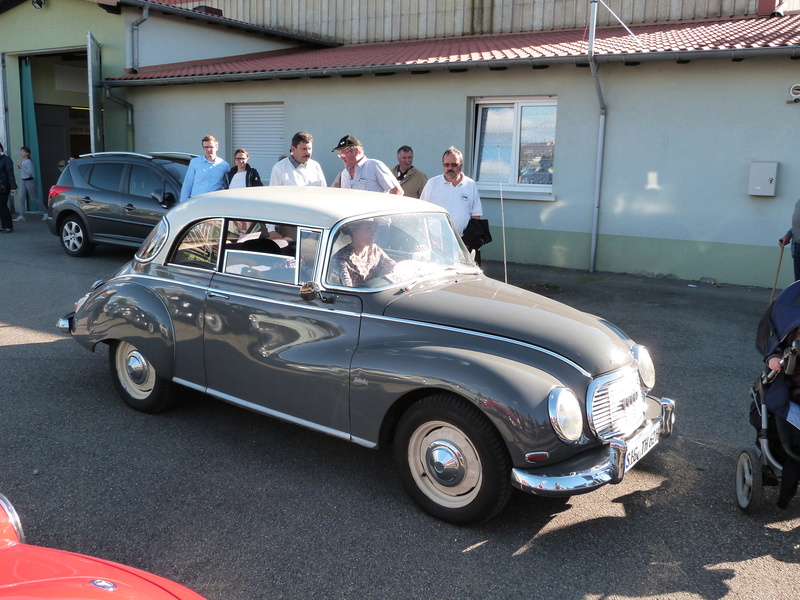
pixel 205 172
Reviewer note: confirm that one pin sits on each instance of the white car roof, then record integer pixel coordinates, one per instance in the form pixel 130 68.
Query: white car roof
pixel 311 206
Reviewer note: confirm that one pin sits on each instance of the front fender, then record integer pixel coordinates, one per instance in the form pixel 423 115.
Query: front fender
pixel 513 394
pixel 120 310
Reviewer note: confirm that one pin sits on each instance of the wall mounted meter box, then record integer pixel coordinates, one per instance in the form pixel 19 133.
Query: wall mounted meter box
pixel 763 176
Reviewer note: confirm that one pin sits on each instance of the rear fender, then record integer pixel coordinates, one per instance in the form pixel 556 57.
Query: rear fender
pixel 127 311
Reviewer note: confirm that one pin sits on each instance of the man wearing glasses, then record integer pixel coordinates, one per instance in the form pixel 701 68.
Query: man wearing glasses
pixel 205 173
pixel 454 191
pixel 362 173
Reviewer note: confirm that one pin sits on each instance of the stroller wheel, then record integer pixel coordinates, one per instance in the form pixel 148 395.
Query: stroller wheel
pixel 749 481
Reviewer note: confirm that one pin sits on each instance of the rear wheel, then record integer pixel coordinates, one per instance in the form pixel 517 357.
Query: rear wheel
pixel 749 481
pixel 136 380
pixel 452 461
pixel 73 237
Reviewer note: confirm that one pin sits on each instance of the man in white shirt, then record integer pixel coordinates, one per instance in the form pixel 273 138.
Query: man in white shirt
pixel 362 173
pixel 298 168
pixel 205 172
pixel 454 191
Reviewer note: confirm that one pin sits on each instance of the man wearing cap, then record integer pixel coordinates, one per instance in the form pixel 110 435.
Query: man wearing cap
pixel 362 173
pixel 298 168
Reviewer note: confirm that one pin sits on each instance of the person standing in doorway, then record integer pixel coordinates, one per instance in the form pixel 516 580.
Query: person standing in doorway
pixel 27 188
pixel 8 185
pixel 298 168
pixel 412 179
pixel 205 172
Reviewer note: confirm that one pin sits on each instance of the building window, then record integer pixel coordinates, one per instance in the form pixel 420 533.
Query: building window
pixel 515 144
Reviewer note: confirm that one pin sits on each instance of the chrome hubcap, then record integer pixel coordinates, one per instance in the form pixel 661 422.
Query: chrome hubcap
pixel 445 463
pixel 137 368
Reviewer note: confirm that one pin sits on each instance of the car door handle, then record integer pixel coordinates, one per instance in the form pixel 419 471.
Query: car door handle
pixel 86 199
pixel 129 207
pixel 217 295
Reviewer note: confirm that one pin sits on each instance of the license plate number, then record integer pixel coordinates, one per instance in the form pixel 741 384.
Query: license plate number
pixel 641 444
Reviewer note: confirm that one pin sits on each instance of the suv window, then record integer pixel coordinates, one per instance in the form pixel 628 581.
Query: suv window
pixel 106 176
pixel 143 181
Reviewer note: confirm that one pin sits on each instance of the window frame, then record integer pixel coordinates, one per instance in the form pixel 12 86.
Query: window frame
pixel 507 188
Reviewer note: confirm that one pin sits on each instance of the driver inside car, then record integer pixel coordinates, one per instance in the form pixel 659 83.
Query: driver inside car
pixel 362 259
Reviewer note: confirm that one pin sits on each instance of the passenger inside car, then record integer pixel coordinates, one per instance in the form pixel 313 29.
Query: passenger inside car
pixel 361 260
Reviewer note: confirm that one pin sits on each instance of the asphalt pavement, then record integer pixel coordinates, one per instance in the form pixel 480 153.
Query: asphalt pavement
pixel 240 506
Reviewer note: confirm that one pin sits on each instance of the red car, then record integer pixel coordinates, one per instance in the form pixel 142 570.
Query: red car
pixel 35 573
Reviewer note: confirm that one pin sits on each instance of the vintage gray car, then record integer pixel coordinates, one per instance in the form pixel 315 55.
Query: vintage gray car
pixel 362 316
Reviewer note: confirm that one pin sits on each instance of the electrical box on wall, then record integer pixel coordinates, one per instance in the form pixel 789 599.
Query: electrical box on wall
pixel 763 176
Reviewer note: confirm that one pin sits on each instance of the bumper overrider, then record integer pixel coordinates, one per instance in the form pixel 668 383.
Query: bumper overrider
pixel 606 464
pixel 64 324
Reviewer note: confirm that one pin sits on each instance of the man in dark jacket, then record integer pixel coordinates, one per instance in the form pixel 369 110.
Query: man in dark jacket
pixel 8 184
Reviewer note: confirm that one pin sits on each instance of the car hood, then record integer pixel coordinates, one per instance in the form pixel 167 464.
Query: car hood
pixel 487 306
pixel 33 573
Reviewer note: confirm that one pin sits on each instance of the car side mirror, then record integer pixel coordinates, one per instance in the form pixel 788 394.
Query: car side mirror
pixel 310 291
pixel 165 199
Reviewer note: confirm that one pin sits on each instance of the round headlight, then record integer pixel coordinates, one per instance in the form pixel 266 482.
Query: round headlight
pixel 647 371
pixel 10 525
pixel 565 414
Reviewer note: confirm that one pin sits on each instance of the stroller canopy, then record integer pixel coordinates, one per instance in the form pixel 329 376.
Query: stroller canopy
pixel 781 318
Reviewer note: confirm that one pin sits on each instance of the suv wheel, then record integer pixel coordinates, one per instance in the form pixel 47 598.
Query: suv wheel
pixel 74 239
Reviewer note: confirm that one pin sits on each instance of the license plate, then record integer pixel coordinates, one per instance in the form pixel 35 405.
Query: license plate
pixel 641 444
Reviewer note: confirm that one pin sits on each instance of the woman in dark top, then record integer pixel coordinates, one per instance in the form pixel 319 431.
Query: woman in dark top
pixel 242 175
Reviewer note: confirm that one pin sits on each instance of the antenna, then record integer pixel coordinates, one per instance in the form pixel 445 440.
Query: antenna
pixel 502 215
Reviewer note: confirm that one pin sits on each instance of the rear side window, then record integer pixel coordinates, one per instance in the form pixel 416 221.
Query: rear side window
pixel 199 245
pixel 106 176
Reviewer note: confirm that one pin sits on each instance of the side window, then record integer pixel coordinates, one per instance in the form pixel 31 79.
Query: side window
pixel 261 250
pixel 106 176
pixel 143 181
pixel 309 254
pixel 199 245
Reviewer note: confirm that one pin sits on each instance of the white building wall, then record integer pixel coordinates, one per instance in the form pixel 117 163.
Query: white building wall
pixel 679 143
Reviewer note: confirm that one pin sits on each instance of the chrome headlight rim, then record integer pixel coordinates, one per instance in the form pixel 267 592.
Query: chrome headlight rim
pixel 566 415
pixel 644 362
pixel 13 517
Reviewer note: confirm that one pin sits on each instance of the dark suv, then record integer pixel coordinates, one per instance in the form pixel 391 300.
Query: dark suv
pixel 114 198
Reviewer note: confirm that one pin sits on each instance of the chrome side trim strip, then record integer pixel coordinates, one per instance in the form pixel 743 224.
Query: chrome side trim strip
pixel 486 336
pixel 278 415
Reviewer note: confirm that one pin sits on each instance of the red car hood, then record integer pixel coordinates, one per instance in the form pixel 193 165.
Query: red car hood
pixel 35 573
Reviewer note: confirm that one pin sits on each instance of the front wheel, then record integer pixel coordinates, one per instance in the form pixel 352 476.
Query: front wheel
pixel 136 380
pixel 749 481
pixel 452 461
pixel 73 237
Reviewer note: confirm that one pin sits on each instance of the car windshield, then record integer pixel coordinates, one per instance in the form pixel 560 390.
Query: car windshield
pixel 384 251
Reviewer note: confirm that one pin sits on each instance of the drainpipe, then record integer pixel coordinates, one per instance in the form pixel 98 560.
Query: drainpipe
pixel 133 65
pixel 129 109
pixel 601 134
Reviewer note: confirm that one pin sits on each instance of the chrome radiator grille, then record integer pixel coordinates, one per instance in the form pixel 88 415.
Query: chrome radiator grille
pixel 615 404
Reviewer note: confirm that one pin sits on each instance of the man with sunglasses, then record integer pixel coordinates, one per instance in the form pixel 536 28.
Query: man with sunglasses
pixel 454 191
pixel 362 173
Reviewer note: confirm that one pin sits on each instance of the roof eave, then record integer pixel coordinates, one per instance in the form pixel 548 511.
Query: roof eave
pixel 681 56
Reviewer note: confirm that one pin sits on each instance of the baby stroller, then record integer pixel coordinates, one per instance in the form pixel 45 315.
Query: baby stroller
pixel 776 459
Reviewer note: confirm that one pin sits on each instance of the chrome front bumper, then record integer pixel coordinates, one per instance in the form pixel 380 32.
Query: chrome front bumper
pixel 64 324
pixel 589 470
